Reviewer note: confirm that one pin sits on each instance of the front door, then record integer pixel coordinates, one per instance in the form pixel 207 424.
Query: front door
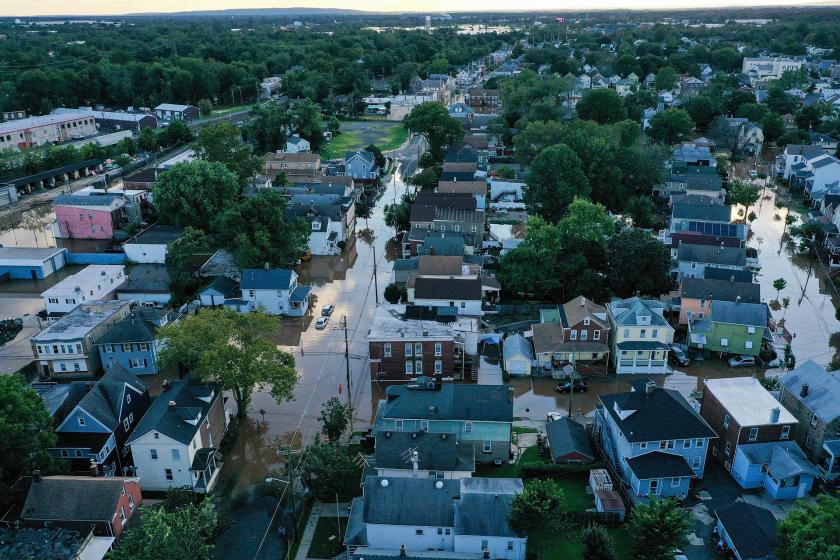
pixel 654 487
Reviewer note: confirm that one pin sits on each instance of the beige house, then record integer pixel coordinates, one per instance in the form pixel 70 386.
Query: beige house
pixel 577 332
pixel 301 166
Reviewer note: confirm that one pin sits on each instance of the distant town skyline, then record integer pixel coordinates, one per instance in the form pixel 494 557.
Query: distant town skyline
pixel 119 7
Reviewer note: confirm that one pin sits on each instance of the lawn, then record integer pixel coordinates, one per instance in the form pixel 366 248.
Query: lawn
pixel 355 135
pixel 326 542
pixel 568 545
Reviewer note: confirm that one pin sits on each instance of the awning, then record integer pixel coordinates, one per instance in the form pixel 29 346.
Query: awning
pixel 202 458
pixel 698 339
pixel 642 345
pixel 300 294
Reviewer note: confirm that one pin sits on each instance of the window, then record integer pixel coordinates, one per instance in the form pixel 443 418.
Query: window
pixel 675 482
pixel 654 333
pixel 586 321
pixel 726 421
pixel 486 447
pixel 250 293
pixel 438 349
pixel 510 545
pixel 418 368
pixel 408 349
pixel 643 333
pixel 127 398
pixel 424 425
pixel 695 463
pixel 751 330
pixel 409 367
pixel 447 531
pixel 748 345
pixel 626 333
pixel 157 435
pixel 81 419
pixel 418 531
pixel 785 432
pixel 52 300
pixel 122 516
pixel 176 455
pixel 584 335
pixel 153 453
pixel 663 444
pixel 483 544
pixel 728 449
pixel 753 434
pixel 64 453
pixel 168 473
pixel 468 427
pixel 64 368
pixel 813 420
pixel 687 444
pixel 654 486
pixel 77 452
pixel 144 346
pixel 399 425
pixel 724 342
pixel 573 335
pixel 672 444
pixel 596 335
pixel 130 501
pixel 386 350
pixel 440 530
pixel 643 445
pixel 137 363
pixel 698 443
pixel 474 229
pixel 418 349
pixel 126 424
pixel 109 348
pixel 438 366
pixel 809 441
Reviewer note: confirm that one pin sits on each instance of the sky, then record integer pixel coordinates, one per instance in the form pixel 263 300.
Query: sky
pixel 114 7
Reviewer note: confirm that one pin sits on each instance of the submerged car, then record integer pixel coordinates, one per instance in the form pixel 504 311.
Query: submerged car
pixel 566 386
pixel 679 355
pixel 321 323
pixel 742 361
pixel 327 310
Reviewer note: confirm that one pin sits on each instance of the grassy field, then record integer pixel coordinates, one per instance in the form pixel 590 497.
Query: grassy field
pixel 326 542
pixel 355 135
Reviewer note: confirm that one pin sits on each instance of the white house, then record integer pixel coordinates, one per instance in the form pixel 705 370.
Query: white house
pixel 274 291
pixel 464 516
pixel 639 335
pixel 93 282
pixel 463 294
pixel 149 246
pixel 793 154
pixel 511 191
pixel 175 444
pixel 295 144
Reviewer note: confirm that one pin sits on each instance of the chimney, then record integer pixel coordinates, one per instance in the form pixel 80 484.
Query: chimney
pixel 650 387
pixel 36 476
pixel 737 299
pixel 172 405
pixel 415 464
pixel 803 392
pixel 582 301
pixel 774 414
pixel 402 551
pixel 732 278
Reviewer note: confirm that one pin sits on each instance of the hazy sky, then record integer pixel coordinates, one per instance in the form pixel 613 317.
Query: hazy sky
pixel 70 7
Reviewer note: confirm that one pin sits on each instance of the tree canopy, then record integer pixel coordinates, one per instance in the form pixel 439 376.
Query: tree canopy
pixel 223 143
pixel 671 126
pixel 658 527
pixel 554 179
pixel 432 120
pixel 602 105
pixel 194 193
pixel 811 531
pixel 638 262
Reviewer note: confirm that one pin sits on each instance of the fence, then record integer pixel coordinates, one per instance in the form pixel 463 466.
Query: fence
pixel 608 518
pixel 96 258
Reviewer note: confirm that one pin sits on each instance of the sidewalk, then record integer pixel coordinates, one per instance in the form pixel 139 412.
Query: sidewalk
pixel 309 531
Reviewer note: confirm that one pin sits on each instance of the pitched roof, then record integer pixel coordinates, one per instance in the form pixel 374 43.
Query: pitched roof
pixel 440 265
pixel 260 279
pixel 783 458
pixel 471 187
pixel 565 436
pixel 516 344
pixel 580 308
pixel 657 464
pixel 137 327
pixel 711 212
pixel 823 389
pixel 223 285
pixel 410 501
pixel 480 403
pixel 751 529
pixel 627 311
pixel 715 273
pixel 104 400
pixel 662 414
pixel 435 452
pixel 457 200
pixel 73 498
pixel 731 256
pixel 721 290
pixel 447 288
pixel 740 313
pixel 190 397
pixel 547 336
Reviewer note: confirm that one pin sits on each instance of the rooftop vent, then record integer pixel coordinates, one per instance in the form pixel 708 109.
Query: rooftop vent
pixel 803 392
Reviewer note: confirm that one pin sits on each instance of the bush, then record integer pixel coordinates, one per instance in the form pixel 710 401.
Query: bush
pixel 341 244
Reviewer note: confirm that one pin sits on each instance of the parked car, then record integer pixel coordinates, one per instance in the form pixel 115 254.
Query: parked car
pixel 327 310
pixel 742 361
pixel 566 386
pixel 679 355
pixel 753 174
pixel 321 323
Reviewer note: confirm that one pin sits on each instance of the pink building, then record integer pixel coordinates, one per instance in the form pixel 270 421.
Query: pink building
pixel 89 217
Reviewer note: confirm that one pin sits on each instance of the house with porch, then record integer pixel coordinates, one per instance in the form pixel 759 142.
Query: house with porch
pixel 176 443
pixel 812 394
pixel 361 165
pixel 654 439
pixel 274 291
pixel 578 332
pixel 464 294
pixel 639 335
pixel 697 295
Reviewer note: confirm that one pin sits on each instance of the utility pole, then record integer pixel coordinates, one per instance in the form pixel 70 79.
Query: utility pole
pixel 810 267
pixel 375 281
pixel 347 366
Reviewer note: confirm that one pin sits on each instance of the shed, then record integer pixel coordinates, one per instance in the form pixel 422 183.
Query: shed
pixel 30 262
pixel 609 501
pixel 748 531
pixel 568 442
pixel 599 480
pixel 518 355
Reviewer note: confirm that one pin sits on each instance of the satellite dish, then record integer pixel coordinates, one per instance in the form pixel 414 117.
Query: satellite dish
pixel 438 484
pixel 384 483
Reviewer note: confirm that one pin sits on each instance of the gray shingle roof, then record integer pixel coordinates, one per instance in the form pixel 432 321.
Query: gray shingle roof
pixel 739 313
pixel 783 458
pixel 823 389
pixel 711 254
pixel 73 498
pixel 711 212
pixel 259 279
pixel 715 273
pixel 752 530
pixel 92 200
pixel 516 344
pixel 481 403
pixel 447 288
pixel 722 290
pixel 169 421
pixel 435 452
pixel 627 311
pixel 657 464
pixel 565 437
pixel 134 328
pixel 104 400
pixel 410 501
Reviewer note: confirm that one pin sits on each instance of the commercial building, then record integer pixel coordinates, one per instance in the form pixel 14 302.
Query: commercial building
pixel 94 282
pixel 47 129
pixel 24 263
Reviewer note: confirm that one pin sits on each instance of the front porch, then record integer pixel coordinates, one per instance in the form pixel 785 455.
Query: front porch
pixel 205 469
pixel 829 467
pixel 641 357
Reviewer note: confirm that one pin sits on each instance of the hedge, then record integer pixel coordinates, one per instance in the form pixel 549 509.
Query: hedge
pixel 549 470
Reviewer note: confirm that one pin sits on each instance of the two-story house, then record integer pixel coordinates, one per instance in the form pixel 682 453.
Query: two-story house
pixel 93 282
pixel 696 295
pixel 67 348
pixel 94 421
pixel 464 294
pixel 794 154
pixel 812 395
pixel 693 260
pixel 422 454
pixel 480 415
pixel 176 443
pixel 299 166
pixel 361 165
pixel 654 439
pixel 639 335
pixel 411 516
pixel 708 218
pixel 131 343
pixel 733 327
pixel 274 291
pixel 89 217
pixel 579 333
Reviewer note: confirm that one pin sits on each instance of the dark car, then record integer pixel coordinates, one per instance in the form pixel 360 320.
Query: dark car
pixel 566 386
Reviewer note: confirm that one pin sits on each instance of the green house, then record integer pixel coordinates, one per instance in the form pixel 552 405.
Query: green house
pixel 733 327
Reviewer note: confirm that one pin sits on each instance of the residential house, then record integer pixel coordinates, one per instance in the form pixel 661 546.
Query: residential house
pixel 274 291
pixel 639 335
pixel 423 241
pixel 690 86
pixel 460 110
pixel 414 515
pixel 8 194
pixel 175 112
pixel 578 332
pixel 693 238
pixel 31 132
pixel 712 273
pixel 478 190
pixel 176 443
pixel 507 191
pixel 89 217
pixel 480 415
pixel 295 144
pixel 150 245
pixel 300 166
pixel 458 171
pixel 464 294
pixel 654 439
pixel 779 467
pixel 80 502
pixel 764 68
pixel 517 354
pixel 742 411
pixel 66 348
pixel 693 260
pixel 146 284
pixel 481 97
pixel 732 327
pixel 30 263
pixel 132 343
pixel 747 531
pixel 697 294
pixel 422 455
pixel 692 154
pixel 701 181
pixel 827 143
pixel 568 442
pixel 219 290
pixel 402 349
pixel 708 217
pixel 443 217
pixel 94 420
pixel 811 394
pixel 361 165
pixel 793 155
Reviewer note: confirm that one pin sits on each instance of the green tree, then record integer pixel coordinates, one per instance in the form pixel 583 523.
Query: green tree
pixel 702 110
pixel 753 111
pixel 671 126
pixel 232 349
pixel 395 293
pixel 640 209
pixel 658 527
pixel 307 122
pixel 334 419
pixel 537 508
pixel 597 543
pixel 185 533
pixel 745 194
pixel 779 284
pixel 780 101
pixel 666 78
pixel 176 133
pixel 638 262
pixel 773 127
pixel 205 107
pixel 223 143
pixel 327 471
pixel 180 262
pixel 553 181
pixel 268 126
pixel 810 117
pixel 148 139
pixel 586 221
pixel 192 194
pixel 260 231
pixel 378 156
pixel 535 137
pixel 433 122
pixel 811 531
pixel 603 105
pixel 26 430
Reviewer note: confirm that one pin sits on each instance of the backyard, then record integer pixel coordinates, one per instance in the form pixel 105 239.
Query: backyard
pixel 326 542
pixel 356 135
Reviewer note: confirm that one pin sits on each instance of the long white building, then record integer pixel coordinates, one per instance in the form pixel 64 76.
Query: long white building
pixel 47 129
pixel 93 282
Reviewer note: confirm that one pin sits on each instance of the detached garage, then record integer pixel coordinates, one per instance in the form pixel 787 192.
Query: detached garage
pixel 518 355
pixel 26 263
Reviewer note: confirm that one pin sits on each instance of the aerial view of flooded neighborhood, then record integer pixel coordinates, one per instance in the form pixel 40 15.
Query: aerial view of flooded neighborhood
pixel 354 283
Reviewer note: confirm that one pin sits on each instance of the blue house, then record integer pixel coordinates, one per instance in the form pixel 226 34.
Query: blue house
pixel 655 440
pixel 131 342
pixel 780 467
pixel 361 165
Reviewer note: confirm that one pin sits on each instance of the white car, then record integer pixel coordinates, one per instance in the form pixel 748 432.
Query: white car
pixel 742 361
pixel 321 323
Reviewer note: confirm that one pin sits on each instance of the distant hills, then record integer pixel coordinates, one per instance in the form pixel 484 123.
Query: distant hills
pixel 261 12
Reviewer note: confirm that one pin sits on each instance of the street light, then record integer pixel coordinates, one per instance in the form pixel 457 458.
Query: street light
pixel 291 487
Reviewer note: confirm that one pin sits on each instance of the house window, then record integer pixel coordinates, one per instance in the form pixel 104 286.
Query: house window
pixel 486 447
pixel 137 363
pixel 418 368
pixel 753 434
pixel 168 473
pixel 438 349
pixel 675 482
pixel 584 335
pixel 447 531
pixel 176 455
pixel 483 544
pixel 663 444
pixel 408 349
pixel 144 346
pixel 77 452
pixel 250 293
pixel 468 427
pixel 510 545
pixel 695 463
pixel 813 420
pixel 438 366
pixel 386 350
pixel 643 333
pixel 153 453
pixel 409 367
pixel 82 420
pixel 573 335
pixel 131 417
pixel 654 486
pixel 726 421
pixel 157 435
pixel 809 441
pixel 671 444
pixel 728 449
pixel 687 444
pixel 724 342
pixel 474 229
pixel 122 516
pixel 418 349
pixel 785 432
pixel 751 330
pixel 654 333
pixel 130 501
pixel 52 300
pixel 424 425
pixel 748 345
pixel 643 445
pixel 440 530
pixel 64 453
pixel 126 424
pixel 586 321
pixel 399 425
pixel 596 335
pixel 418 531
